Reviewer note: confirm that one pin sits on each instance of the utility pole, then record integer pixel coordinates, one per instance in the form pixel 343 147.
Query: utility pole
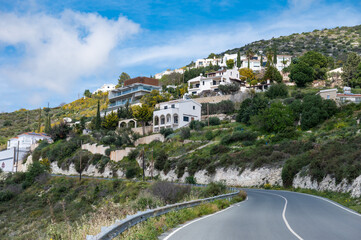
pixel 208 113
pixel 143 165
pixel 80 170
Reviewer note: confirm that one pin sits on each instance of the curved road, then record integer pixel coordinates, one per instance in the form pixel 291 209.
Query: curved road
pixel 275 215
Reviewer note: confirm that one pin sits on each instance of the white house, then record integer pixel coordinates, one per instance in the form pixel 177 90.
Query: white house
pixel 205 62
pixel 168 72
pixel 25 140
pixel 283 61
pixel 176 114
pixel 212 80
pixel 105 88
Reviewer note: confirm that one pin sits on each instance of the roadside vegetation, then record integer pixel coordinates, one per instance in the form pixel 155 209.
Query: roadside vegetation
pixel 34 205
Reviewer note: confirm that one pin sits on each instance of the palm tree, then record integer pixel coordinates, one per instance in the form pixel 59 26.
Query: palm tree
pixel 249 54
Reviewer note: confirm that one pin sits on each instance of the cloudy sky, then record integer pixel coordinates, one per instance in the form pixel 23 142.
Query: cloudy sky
pixel 51 51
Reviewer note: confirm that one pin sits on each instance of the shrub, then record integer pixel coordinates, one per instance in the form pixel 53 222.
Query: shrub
pixel 196 125
pixel 35 169
pixel 239 136
pixel 277 91
pixel 214 121
pixel 191 180
pixel 169 192
pixel 59 131
pixel 214 189
pixel 185 133
pixel 131 172
pixel 225 106
pixel 160 160
pixel 251 107
pixel 219 148
pixel 166 131
pixel 208 135
pixel 6 196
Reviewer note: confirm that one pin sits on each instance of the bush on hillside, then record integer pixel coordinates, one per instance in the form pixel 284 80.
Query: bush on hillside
pixel 225 107
pixel 214 121
pixel 251 107
pixel 239 136
pixel 277 91
pixel 214 189
pixel 160 160
pixel 196 125
pixel 169 192
pixel 185 133
pixel 166 132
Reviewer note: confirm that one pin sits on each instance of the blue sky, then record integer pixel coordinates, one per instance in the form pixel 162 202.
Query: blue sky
pixel 50 51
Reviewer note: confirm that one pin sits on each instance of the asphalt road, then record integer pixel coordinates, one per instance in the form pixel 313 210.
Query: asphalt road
pixel 275 215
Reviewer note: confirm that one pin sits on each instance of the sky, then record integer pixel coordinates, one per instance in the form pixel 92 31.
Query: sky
pixel 51 51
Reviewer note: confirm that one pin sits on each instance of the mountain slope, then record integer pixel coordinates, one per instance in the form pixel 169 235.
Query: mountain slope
pixel 335 42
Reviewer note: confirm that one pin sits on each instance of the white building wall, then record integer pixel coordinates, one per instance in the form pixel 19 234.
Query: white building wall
pixel 184 110
pixel 105 88
pixel 7 160
pixel 25 141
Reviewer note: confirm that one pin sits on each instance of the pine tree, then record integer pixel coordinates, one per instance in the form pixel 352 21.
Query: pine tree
pixel 39 121
pixel 98 120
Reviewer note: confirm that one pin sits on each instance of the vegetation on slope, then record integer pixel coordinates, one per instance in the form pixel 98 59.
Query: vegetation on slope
pixel 335 42
pixel 34 205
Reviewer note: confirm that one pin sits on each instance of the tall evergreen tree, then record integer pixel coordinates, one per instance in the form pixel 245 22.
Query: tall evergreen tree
pixel 98 120
pixel 350 68
pixel 239 62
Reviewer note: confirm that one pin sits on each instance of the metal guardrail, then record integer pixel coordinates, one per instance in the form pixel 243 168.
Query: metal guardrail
pixel 122 225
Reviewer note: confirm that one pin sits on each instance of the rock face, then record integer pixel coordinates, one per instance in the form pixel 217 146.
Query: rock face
pixel 90 171
pixel 329 184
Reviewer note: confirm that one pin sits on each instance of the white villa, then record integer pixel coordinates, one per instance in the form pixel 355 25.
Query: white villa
pixel 212 80
pixel 255 63
pixel 25 140
pixel 105 88
pixel 176 114
pixel 168 72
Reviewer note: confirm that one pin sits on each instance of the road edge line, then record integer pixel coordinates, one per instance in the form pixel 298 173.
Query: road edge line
pixel 196 220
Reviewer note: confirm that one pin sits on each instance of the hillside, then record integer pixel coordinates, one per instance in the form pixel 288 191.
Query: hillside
pixel 24 120
pixel 335 42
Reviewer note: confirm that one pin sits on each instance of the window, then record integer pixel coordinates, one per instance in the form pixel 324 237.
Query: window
pixel 328 96
pixel 358 99
pixel 214 82
pixel 173 106
pixel 194 107
pixel 203 82
pixel 175 119
pixel 165 107
pixel 185 119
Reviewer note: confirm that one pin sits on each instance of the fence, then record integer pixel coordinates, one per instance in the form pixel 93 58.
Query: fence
pixel 122 225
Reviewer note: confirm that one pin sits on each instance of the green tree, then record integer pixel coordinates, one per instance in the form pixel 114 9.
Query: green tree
pixel 59 131
pixel 87 93
pixel 274 55
pixel 356 81
pixel 350 68
pixel 251 107
pixel 228 88
pixel 250 55
pixel 124 76
pixel 274 119
pixel 269 55
pixel 143 114
pixel 212 55
pixel 154 97
pixel 301 74
pixel 110 121
pixel 239 62
pixel 277 91
pixel 230 63
pixel 318 62
pixel 273 74
pixel 98 120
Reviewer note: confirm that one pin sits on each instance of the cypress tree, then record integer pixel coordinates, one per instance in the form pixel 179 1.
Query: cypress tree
pixel 98 119
pixel 239 63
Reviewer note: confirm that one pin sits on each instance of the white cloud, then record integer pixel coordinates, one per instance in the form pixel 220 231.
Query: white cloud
pixel 60 50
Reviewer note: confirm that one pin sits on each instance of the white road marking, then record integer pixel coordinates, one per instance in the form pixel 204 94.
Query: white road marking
pixel 171 234
pixel 324 199
pixel 284 215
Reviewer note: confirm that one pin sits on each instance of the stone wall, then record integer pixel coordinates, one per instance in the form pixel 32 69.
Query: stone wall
pixel 118 155
pixel 89 171
pixel 139 130
pixel 94 149
pixel 149 139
